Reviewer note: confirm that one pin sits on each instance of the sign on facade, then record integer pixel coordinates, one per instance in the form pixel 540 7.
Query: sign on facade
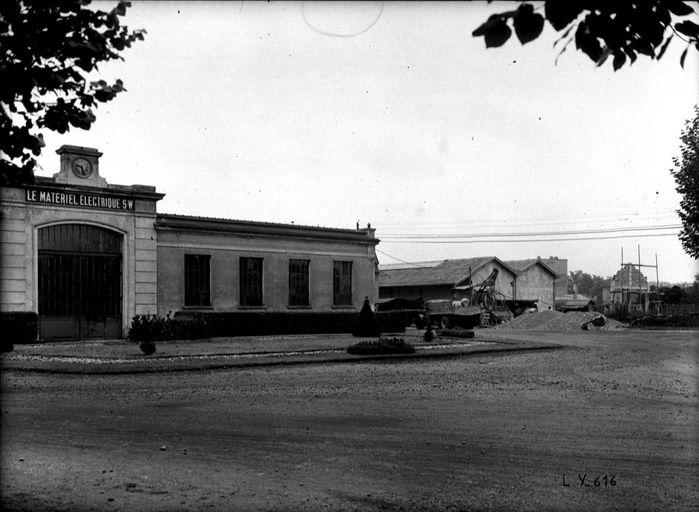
pixel 102 202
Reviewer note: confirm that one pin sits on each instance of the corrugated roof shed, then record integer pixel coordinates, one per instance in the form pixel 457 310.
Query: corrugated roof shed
pixel 446 272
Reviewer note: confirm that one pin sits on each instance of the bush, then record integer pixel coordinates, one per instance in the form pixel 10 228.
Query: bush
pixel 18 327
pixel 457 333
pixel 382 346
pixel 153 328
pixel 148 347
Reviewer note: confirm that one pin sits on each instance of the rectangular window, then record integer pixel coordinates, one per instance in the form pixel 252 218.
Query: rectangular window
pixel 197 289
pixel 342 283
pixel 299 283
pixel 251 282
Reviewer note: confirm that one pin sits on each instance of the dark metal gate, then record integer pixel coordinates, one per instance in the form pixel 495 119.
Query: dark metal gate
pixel 80 283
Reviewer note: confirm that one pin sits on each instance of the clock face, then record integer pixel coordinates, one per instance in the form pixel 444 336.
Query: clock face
pixel 82 168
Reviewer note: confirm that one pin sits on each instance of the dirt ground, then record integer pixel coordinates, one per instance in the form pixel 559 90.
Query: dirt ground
pixel 607 423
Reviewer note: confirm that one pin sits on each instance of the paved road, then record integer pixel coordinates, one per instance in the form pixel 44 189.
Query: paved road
pixel 607 423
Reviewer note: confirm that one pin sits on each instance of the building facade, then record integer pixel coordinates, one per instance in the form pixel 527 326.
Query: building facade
pixel 228 265
pixel 560 267
pixel 87 256
pixel 535 281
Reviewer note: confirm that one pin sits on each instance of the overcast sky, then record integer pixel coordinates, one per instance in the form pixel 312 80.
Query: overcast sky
pixel 392 114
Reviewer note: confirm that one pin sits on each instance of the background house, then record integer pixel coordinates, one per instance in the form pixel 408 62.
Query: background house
pixel 531 280
pixel 535 281
pixel 560 267
pixel 444 279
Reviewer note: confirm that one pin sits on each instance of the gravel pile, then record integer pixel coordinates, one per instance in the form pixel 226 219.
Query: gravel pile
pixel 550 320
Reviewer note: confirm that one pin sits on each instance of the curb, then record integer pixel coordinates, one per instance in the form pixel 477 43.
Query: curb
pixel 275 359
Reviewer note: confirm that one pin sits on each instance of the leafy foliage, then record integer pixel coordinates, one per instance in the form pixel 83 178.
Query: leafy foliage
pixel 146 328
pixel 50 53
pixel 382 346
pixel 673 295
pixel 586 284
pixel 686 174
pixel 622 30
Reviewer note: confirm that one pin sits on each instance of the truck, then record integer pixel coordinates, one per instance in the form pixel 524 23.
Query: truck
pixel 452 313
pixel 485 307
pixel 415 309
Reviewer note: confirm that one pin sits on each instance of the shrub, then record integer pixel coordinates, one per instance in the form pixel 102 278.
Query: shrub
pixel 457 333
pixel 382 346
pixel 366 324
pixel 153 328
pixel 148 347
pixel 18 327
pixel 145 328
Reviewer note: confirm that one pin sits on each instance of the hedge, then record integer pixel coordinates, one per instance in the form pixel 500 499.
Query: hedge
pixel 147 328
pixel 666 322
pixel 274 323
pixel 19 327
pixel 197 325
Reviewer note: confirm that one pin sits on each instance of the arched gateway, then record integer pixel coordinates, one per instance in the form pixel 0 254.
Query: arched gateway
pixel 80 282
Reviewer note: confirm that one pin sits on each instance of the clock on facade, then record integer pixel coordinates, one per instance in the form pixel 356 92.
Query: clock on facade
pixel 82 168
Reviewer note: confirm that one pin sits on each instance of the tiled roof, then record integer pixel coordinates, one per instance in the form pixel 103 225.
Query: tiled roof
pixel 447 272
pixel 522 265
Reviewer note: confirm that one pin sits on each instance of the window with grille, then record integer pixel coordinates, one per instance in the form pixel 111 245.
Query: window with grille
pixel 299 281
pixel 251 282
pixel 342 283
pixel 197 289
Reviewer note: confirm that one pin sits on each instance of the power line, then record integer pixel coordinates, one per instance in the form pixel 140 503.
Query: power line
pixel 579 219
pixel 544 233
pixel 532 240
pixel 402 261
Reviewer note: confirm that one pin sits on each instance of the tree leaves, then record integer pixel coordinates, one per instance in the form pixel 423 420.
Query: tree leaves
pixel 588 43
pixel 623 29
pixel 678 8
pixel 562 14
pixel 496 31
pixel 49 48
pixel 688 28
pixel 528 24
pixel 619 59
pixel 686 174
